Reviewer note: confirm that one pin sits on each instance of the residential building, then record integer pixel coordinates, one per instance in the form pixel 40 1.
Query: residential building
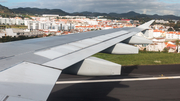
pixel 162 21
pixel 156 47
pixel 158 33
pixel 173 35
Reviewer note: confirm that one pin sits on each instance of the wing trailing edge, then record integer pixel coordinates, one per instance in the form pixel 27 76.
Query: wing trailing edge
pixel 26 80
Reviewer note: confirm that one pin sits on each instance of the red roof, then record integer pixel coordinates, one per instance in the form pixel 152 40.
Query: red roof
pixel 159 31
pixel 170 45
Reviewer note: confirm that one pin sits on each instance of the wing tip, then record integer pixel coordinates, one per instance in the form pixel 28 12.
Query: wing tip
pixel 146 25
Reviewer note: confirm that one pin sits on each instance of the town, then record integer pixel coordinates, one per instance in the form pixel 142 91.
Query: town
pixel 164 36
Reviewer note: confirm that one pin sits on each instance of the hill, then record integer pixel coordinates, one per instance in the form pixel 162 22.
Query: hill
pixel 5 10
pixel 33 11
pixel 130 14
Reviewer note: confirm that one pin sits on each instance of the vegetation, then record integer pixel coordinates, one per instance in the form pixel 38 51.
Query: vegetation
pixel 170 29
pixel 9 38
pixel 4 9
pixel 142 19
pixel 13 26
pixel 176 26
pixel 25 16
pixel 37 11
pixel 177 44
pixel 165 50
pixel 7 15
pixel 143 58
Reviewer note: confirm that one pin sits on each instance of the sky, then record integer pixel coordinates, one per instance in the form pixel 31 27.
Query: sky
pixel 161 7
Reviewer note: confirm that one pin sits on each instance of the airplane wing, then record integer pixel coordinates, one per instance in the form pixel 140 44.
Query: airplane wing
pixel 30 68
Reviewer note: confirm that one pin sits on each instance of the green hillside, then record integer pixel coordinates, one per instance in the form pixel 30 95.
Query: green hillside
pixel 33 11
pixel 5 10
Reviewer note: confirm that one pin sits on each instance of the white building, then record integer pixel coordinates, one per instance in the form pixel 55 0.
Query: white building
pixel 162 21
pixel 33 25
pixel 50 15
pixel 157 26
pixel 11 21
pixel 156 47
pixel 2 34
pixel 9 32
pixel 173 35
pixel 73 17
pixel 54 26
pixel 158 33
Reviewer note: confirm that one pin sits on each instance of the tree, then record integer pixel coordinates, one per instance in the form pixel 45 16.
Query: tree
pixel 170 29
pixel 165 50
pixel 177 44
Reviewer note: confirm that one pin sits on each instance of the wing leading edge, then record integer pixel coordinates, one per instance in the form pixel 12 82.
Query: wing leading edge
pixel 34 79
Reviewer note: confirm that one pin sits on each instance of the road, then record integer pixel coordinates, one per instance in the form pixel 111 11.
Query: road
pixel 165 89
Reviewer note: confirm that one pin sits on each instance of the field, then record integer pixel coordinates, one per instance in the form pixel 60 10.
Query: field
pixel 143 58
pixel 13 26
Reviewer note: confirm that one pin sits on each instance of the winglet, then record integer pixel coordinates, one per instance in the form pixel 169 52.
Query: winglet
pixel 146 25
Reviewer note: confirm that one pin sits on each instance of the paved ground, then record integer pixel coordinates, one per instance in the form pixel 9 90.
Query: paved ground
pixel 154 90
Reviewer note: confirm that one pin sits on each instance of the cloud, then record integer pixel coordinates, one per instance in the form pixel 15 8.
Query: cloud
pixel 107 6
